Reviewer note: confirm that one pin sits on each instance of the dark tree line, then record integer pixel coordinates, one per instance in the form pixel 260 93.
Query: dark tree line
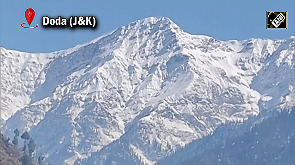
pixel 29 147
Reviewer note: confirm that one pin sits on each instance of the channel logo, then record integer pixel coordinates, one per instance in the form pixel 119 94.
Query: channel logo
pixel 276 19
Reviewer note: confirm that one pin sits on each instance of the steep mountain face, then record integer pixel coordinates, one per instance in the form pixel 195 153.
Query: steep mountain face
pixel 9 155
pixel 19 72
pixel 142 92
pixel 270 142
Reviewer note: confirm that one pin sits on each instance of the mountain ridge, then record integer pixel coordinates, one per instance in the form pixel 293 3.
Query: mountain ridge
pixel 146 89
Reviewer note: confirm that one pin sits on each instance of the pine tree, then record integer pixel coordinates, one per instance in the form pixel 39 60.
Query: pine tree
pixel 31 147
pixel 15 141
pixel 15 138
pixel 25 136
pixel 25 148
pixel 26 160
pixel 16 132
pixel 40 159
pixel 28 149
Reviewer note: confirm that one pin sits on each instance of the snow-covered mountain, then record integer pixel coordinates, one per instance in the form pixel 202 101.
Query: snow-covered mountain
pixel 143 92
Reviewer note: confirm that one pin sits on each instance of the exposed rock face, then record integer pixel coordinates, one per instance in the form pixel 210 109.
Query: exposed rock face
pixel 9 155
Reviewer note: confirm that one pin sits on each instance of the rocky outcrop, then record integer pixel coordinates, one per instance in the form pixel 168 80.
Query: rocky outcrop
pixel 9 155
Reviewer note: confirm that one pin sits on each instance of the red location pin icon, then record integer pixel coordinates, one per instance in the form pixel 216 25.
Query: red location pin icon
pixel 30 14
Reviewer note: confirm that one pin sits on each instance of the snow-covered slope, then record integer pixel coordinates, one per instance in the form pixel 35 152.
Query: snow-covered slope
pixel 19 72
pixel 270 142
pixel 141 92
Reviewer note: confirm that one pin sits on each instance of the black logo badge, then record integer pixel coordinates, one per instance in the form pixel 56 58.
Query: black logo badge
pixel 276 19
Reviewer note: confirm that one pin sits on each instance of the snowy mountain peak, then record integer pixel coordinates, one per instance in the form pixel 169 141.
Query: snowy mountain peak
pixel 141 92
pixel 155 22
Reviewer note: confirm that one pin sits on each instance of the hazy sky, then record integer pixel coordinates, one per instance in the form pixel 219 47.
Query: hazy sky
pixel 222 19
